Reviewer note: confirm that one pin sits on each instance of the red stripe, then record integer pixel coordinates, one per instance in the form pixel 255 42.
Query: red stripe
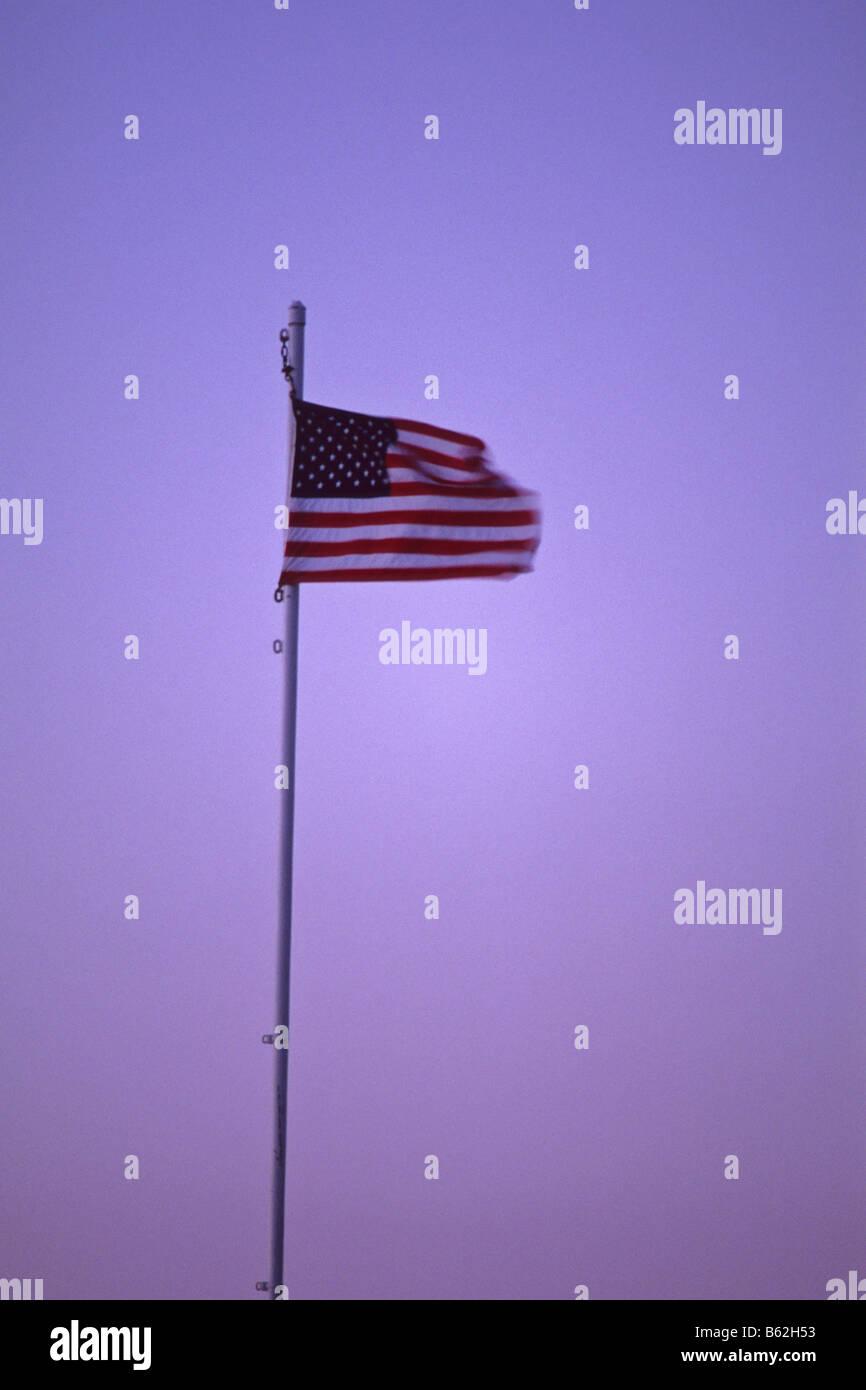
pixel 400 545
pixel 421 518
pixel 476 464
pixel 437 572
pixel 451 436
pixel 433 489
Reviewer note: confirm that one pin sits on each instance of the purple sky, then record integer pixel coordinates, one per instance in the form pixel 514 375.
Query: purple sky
pixel 558 1167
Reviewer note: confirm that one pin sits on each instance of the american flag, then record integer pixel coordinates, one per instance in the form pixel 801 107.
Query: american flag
pixel 375 498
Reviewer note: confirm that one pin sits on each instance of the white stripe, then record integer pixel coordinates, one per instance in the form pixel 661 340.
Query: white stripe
pixel 406 473
pixel 408 529
pixel 395 561
pixel 420 469
pixel 448 457
pixel 434 502
pixel 439 446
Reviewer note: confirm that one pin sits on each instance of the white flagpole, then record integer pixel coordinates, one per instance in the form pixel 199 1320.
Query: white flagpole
pixel 291 592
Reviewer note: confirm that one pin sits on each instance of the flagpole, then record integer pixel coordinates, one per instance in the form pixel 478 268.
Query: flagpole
pixel 291 592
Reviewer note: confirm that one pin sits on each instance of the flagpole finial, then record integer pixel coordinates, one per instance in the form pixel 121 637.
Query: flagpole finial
pixel 297 312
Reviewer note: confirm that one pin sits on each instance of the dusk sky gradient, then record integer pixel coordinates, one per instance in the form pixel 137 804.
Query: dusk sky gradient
pixel 605 386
